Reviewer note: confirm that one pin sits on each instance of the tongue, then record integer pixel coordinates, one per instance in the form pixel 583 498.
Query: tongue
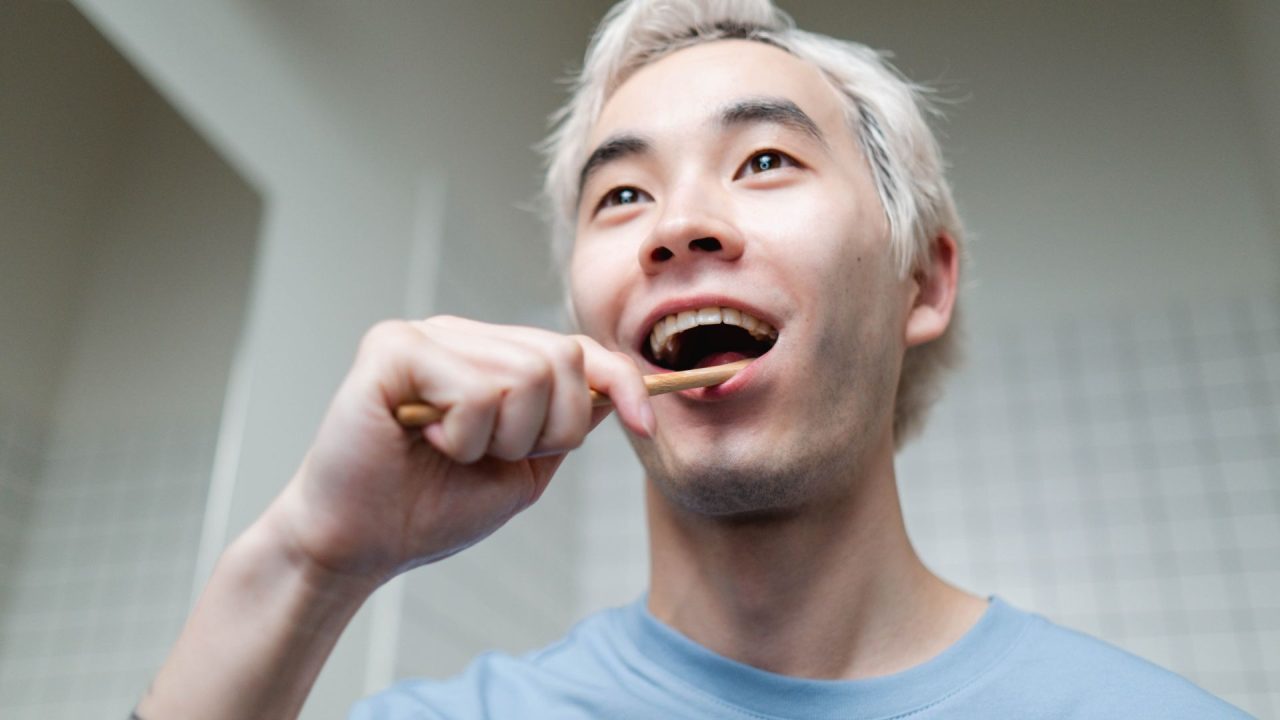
pixel 720 358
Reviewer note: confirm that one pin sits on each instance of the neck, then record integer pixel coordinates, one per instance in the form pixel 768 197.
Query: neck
pixel 831 591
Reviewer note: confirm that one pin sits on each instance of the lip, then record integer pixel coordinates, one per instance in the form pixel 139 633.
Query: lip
pixel 695 302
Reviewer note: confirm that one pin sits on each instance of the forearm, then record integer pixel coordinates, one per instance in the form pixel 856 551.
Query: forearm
pixel 257 638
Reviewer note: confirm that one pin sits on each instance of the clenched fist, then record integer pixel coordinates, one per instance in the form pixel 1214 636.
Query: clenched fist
pixel 373 499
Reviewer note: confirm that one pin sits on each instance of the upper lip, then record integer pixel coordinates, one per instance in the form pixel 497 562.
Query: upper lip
pixel 696 302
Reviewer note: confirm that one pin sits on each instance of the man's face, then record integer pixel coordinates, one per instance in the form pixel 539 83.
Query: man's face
pixel 727 176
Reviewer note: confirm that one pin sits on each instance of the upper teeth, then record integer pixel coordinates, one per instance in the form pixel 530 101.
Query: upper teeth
pixel 664 343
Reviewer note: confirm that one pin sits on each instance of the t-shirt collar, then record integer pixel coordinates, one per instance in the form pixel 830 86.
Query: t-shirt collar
pixel 664 651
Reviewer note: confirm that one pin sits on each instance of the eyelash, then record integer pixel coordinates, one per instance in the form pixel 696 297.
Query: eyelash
pixel 784 160
pixel 614 196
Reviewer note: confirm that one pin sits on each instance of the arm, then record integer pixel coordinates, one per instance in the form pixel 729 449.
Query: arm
pixel 258 636
pixel 373 499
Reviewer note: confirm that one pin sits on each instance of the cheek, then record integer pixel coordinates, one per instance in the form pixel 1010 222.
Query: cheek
pixel 581 293
pixel 825 244
pixel 835 250
pixel 595 292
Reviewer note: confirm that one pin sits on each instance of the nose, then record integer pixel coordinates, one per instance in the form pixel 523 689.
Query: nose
pixel 687 235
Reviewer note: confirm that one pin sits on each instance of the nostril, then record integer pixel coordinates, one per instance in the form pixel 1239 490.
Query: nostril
pixel 706 244
pixel 661 254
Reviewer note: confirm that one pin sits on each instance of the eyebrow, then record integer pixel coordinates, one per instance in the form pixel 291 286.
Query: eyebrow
pixel 776 110
pixel 614 148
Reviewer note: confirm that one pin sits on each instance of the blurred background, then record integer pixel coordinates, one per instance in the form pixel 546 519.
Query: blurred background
pixel 204 205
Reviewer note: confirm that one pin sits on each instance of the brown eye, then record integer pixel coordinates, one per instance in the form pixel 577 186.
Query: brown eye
pixel 765 161
pixel 623 196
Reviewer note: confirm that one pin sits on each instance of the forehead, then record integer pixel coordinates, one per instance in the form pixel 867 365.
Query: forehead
pixel 685 90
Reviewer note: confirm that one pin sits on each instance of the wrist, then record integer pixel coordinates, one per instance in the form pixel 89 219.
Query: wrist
pixel 272 545
pixel 259 635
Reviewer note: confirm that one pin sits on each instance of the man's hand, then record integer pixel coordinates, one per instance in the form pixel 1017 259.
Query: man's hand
pixel 373 499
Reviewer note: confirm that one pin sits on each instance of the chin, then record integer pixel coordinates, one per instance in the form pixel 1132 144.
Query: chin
pixel 734 484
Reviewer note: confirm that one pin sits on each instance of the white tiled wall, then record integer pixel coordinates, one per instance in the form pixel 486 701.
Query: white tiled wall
pixel 1119 473
pixel 21 446
pixel 103 581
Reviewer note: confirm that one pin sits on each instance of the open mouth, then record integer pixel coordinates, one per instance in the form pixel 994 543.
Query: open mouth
pixel 707 336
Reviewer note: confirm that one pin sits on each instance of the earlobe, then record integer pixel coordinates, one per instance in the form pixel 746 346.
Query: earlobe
pixel 936 284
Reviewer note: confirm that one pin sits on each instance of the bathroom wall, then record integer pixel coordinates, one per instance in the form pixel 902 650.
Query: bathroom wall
pixel 131 243
pixel 1117 472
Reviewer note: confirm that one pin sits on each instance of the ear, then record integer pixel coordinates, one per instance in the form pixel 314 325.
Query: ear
pixel 933 295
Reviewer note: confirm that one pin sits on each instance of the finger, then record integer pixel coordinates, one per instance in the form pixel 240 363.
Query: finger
pixel 569 412
pixel 617 375
pixel 464 433
pixel 385 363
pixel 523 412
pixel 447 378
pixel 612 373
pixel 568 415
pixel 519 366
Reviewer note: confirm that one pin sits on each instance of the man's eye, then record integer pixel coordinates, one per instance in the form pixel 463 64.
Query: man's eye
pixel 764 161
pixel 622 196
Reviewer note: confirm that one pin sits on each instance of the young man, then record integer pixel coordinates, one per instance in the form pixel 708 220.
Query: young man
pixel 727 187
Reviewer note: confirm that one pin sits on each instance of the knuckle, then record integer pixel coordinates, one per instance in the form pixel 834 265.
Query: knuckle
pixel 384 334
pixel 480 395
pixel 382 330
pixel 532 368
pixel 569 350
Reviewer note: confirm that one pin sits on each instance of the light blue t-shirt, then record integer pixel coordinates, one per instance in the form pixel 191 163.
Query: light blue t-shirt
pixel 623 663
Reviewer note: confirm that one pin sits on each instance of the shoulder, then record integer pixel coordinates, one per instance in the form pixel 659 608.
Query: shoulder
pixel 498 685
pixel 1082 676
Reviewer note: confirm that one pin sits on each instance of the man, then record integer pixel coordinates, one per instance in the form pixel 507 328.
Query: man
pixel 729 187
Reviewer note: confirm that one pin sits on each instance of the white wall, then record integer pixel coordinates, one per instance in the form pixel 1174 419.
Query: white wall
pixel 1115 470
pixel 1256 25
pixel 21 457
pixel 134 243
pixel 51 164
pixel 47 173
pixel 169 248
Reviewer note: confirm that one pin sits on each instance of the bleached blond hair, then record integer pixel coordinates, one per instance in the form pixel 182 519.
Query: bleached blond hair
pixel 885 111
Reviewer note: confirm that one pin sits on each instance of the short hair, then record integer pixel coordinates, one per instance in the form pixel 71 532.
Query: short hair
pixel 885 111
